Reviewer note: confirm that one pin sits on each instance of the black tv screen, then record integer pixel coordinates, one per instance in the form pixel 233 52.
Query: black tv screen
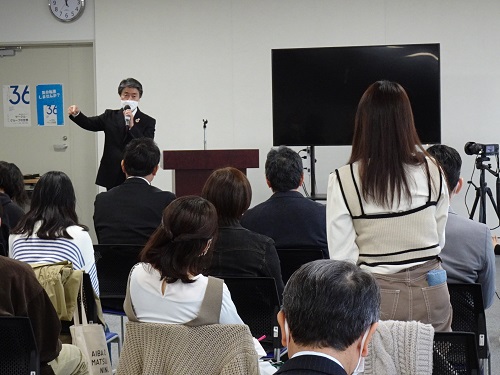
pixel 316 90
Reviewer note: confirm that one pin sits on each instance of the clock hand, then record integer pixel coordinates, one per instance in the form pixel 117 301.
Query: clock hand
pixel 66 2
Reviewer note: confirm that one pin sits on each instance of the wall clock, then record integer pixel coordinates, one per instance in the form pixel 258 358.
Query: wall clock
pixel 67 10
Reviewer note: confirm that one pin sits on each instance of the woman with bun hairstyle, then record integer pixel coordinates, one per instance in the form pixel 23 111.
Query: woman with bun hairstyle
pixel 168 285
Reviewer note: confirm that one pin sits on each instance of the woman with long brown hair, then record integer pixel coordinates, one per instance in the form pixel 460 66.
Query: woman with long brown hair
pixel 387 209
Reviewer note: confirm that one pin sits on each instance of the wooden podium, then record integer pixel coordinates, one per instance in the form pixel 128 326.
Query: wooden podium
pixel 192 167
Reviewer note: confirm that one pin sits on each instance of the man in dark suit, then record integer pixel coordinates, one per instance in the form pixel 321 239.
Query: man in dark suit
pixel 468 255
pixel 120 126
pixel 289 218
pixel 130 212
pixel 330 311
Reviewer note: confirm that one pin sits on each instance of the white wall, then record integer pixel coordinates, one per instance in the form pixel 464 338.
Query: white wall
pixel 30 21
pixel 211 59
pixel 32 148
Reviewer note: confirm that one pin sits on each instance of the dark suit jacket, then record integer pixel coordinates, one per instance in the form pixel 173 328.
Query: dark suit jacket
pixel 309 365
pixel 117 135
pixel 291 220
pixel 130 212
pixel 240 252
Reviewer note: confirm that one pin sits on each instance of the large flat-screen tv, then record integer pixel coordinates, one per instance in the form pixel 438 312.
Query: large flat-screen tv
pixel 316 90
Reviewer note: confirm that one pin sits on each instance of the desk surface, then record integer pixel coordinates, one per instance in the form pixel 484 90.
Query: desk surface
pixel 31 181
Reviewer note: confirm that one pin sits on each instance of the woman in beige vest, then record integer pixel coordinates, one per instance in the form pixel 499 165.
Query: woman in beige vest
pixel 387 209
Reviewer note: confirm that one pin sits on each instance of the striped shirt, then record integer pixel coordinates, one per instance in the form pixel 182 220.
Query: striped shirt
pixel 78 250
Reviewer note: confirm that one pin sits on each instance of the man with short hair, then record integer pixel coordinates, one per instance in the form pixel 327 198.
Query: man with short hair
pixel 120 126
pixel 330 311
pixel 129 213
pixel 289 218
pixel 468 255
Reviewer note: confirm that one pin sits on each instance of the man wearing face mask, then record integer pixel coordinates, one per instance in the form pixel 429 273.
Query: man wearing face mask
pixel 120 126
pixel 329 314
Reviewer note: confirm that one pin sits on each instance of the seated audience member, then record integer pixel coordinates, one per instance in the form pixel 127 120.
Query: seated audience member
pixel 238 251
pixel 330 311
pixel 129 213
pixel 467 255
pixel 22 295
pixel 289 218
pixel 11 189
pixel 50 231
pixel 168 287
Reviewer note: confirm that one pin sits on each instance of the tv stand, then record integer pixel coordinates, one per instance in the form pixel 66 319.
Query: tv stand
pixel 314 196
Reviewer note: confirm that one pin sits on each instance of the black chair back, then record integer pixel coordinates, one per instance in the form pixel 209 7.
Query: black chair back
pixel 257 303
pixel 469 316
pixel 113 264
pixel 292 259
pixel 18 351
pixel 468 313
pixel 455 353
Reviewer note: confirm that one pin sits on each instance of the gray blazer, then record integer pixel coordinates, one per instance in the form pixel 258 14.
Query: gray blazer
pixel 468 255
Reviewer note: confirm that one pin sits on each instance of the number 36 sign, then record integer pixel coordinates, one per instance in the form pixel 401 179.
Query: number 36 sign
pixel 49 105
pixel 16 104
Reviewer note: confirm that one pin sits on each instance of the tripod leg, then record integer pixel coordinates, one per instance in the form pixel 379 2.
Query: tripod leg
pixel 492 200
pixel 474 206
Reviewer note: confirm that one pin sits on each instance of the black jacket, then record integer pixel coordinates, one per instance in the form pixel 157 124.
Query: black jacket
pixel 10 217
pixel 291 220
pixel 117 135
pixel 311 365
pixel 130 212
pixel 240 252
pixel 11 211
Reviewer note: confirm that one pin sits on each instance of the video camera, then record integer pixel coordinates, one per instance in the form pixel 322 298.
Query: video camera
pixel 473 148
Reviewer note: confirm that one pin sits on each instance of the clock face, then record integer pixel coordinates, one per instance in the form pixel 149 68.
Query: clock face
pixel 67 10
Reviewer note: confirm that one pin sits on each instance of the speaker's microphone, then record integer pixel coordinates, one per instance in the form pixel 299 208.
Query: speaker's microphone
pixel 127 117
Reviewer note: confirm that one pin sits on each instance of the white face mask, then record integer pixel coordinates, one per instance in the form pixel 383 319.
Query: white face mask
pixel 360 368
pixel 132 103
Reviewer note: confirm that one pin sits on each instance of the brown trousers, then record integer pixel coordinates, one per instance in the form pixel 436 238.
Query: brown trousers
pixel 406 295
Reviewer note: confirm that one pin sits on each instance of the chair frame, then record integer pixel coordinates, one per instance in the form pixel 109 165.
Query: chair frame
pixel 292 258
pixel 469 296
pixel 456 344
pixel 242 293
pixel 23 324
pixel 109 292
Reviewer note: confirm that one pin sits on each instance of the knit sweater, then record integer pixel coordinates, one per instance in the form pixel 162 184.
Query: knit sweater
pixel 400 348
pixel 158 348
pixel 175 349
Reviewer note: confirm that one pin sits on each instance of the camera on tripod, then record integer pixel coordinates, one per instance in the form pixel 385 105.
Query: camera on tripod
pixel 473 148
pixel 483 191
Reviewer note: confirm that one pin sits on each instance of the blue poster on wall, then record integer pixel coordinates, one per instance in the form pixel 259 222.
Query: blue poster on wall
pixel 49 105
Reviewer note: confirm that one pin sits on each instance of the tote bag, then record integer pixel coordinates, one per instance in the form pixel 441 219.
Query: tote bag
pixel 91 341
